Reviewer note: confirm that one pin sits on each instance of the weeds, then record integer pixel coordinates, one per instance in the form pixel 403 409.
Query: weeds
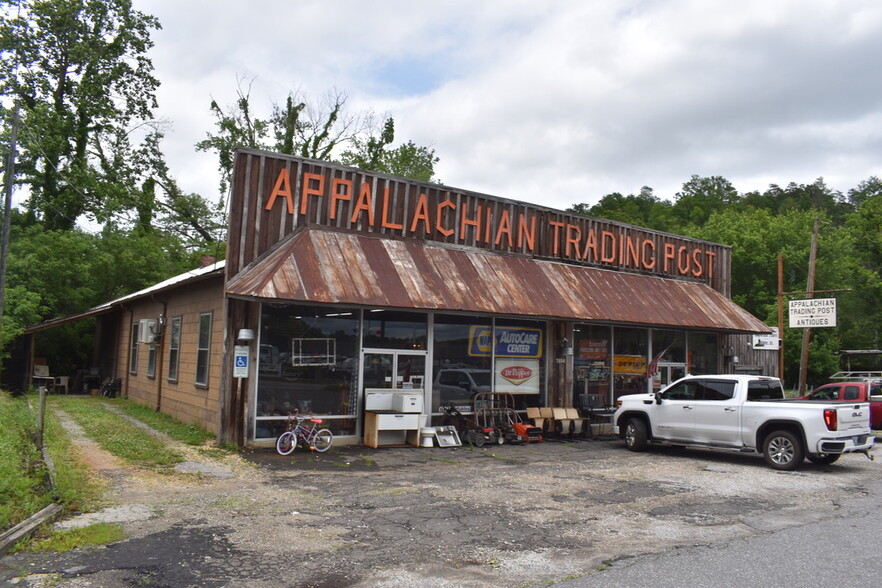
pixel 60 541
pixel 185 433
pixel 118 436
pixel 24 486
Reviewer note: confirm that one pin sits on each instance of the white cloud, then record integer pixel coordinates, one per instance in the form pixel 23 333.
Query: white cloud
pixel 553 102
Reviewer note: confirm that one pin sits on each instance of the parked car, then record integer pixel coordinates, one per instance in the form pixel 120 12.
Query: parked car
pixel 460 384
pixel 744 413
pixel 869 391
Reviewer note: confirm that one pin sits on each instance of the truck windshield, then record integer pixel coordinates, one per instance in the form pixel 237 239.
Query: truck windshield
pixel 764 390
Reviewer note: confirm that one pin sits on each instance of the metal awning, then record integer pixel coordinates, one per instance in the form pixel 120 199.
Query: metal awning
pixel 334 267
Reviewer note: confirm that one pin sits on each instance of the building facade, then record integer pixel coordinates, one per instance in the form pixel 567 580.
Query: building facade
pixel 339 281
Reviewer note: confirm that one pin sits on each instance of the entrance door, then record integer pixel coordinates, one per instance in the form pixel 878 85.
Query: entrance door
pixel 667 374
pixel 391 368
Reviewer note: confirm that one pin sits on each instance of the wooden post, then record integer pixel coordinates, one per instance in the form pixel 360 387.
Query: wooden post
pixel 810 293
pixel 780 316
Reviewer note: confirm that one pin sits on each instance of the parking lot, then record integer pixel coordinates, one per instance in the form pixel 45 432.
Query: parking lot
pixel 510 515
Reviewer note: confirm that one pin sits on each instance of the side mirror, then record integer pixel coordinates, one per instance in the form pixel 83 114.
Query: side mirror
pixel 658 398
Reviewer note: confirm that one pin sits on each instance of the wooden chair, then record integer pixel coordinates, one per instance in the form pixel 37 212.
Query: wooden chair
pixel 577 420
pixel 547 418
pixel 562 423
pixel 534 415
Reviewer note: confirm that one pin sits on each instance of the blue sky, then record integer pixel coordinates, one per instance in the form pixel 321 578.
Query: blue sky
pixel 552 102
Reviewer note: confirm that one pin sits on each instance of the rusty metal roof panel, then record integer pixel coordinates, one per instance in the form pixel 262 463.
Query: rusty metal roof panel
pixel 325 266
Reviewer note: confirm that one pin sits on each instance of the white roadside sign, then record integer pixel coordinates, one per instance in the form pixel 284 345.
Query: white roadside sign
pixel 812 312
pixel 768 341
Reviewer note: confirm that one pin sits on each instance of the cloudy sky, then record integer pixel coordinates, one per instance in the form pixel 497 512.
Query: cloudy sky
pixel 553 102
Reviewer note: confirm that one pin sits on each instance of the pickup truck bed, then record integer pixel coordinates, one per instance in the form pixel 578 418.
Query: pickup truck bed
pixel 857 391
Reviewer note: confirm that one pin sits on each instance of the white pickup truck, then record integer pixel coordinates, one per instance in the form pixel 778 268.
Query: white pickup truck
pixel 744 413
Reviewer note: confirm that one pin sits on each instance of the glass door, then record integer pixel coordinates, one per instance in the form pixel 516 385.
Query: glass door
pixel 668 373
pixel 393 369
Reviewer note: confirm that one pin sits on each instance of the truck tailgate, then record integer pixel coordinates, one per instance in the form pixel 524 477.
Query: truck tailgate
pixel 853 416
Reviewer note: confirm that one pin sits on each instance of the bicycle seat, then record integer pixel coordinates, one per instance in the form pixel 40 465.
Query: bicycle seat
pixel 317 421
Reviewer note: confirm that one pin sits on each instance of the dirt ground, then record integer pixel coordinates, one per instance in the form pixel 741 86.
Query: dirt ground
pixel 510 515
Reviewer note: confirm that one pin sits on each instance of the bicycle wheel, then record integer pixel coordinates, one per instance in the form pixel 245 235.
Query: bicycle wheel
pixel 286 443
pixel 322 440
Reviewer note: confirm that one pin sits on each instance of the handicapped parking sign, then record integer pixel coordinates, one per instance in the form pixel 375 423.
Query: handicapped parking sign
pixel 240 361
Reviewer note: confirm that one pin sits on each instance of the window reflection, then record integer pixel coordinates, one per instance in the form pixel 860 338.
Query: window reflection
pixel 308 360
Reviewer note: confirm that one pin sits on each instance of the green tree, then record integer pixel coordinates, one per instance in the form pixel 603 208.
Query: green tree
pixel 815 196
pixel 757 236
pixel 80 71
pixel 300 127
pixel 313 129
pixel 700 197
pixel 864 304
pixel 56 273
pixel 643 210
pixel 408 160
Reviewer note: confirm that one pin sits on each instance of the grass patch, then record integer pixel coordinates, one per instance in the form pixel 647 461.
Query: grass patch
pixel 24 487
pixel 91 535
pixel 188 434
pixel 441 459
pixel 75 485
pixel 117 435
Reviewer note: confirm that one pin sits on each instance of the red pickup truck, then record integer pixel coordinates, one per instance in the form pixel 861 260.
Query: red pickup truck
pixel 853 392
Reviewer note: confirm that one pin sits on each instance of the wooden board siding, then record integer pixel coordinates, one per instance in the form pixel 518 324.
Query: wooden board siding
pixel 275 195
pixel 183 399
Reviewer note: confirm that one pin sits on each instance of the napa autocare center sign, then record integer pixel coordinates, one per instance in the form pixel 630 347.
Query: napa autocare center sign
pixel 812 312
pixel 516 351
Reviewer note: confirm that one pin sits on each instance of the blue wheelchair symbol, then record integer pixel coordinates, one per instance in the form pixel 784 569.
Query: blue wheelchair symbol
pixel 242 361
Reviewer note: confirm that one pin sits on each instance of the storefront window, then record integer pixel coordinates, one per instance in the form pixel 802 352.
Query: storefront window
pixel 591 360
pixel 668 362
pixel 308 361
pixel 473 358
pixel 519 361
pixel 629 361
pixel 703 357
pixel 462 361
pixel 669 346
pixel 390 329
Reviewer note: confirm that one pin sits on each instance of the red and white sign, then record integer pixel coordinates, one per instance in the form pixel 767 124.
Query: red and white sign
pixel 517 376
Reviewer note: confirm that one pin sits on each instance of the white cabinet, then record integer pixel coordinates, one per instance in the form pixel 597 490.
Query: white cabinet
pixel 392 417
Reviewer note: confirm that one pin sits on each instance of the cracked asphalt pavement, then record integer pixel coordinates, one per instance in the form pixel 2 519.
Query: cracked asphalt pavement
pixel 510 515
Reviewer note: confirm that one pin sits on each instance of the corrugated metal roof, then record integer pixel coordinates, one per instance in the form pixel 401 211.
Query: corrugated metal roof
pixel 180 279
pixel 346 268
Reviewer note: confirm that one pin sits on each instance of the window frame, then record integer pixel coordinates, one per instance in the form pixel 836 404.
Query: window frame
pixel 174 348
pixel 133 350
pixel 203 352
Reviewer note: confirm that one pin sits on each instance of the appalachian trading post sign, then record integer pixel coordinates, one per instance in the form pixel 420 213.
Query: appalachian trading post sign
pixel 812 312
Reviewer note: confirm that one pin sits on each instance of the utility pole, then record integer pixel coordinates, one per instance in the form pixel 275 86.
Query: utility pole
pixel 781 316
pixel 810 293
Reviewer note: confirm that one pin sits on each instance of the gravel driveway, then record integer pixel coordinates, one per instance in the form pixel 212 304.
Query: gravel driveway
pixel 511 515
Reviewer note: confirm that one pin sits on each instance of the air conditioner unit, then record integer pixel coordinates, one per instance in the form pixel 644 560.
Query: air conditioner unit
pixel 146 331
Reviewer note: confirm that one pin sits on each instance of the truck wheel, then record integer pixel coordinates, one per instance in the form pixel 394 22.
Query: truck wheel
pixel 823 458
pixel 635 434
pixel 783 450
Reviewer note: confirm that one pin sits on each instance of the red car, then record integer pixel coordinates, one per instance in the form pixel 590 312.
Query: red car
pixel 870 391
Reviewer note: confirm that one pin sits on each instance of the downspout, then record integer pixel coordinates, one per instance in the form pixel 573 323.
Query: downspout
pixel 128 351
pixel 160 352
